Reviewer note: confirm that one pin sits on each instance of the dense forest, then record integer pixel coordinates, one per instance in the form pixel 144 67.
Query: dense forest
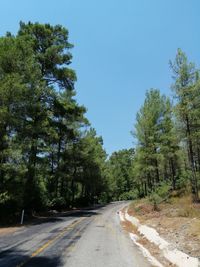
pixel 51 157
pixel 166 158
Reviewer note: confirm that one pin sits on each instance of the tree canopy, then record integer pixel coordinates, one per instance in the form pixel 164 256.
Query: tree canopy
pixel 49 155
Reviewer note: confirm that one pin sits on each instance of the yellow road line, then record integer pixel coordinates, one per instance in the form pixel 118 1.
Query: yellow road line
pixel 72 247
pixel 48 243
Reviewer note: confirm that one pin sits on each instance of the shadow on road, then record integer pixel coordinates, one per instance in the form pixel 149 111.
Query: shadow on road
pixel 60 216
pixel 45 261
pixel 18 258
pixel 85 213
pixel 52 217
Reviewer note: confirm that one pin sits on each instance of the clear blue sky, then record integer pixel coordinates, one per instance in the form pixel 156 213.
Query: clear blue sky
pixel 122 48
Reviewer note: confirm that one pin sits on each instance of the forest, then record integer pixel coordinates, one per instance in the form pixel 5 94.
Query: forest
pixel 166 158
pixel 52 158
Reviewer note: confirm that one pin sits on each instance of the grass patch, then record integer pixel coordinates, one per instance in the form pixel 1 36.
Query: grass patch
pixel 185 207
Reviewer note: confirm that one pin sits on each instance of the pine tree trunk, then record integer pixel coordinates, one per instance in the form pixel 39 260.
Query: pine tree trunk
pixel 173 174
pixel 194 183
pixel 72 185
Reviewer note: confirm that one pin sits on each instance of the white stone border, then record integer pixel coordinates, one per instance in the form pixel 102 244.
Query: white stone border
pixel 175 256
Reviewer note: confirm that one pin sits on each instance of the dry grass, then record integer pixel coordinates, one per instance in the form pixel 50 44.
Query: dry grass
pixel 177 221
pixel 185 207
pixel 129 227
pixel 175 207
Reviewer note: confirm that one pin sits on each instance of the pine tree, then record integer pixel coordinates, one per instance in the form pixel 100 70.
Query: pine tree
pixel 185 85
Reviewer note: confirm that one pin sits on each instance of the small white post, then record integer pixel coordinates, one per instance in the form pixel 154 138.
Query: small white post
pixel 22 217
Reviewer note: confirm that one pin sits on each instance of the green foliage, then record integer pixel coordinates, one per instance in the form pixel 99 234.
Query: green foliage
pixel 168 136
pixel 184 181
pixel 131 195
pixel 104 198
pixel 158 148
pixel 58 203
pixel 163 190
pixel 186 88
pixel 4 197
pixel 161 193
pixel 120 173
pixel 48 156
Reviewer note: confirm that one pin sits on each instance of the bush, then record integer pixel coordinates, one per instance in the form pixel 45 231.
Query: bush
pixel 155 199
pixel 160 194
pixel 10 208
pixel 9 212
pixel 104 198
pixel 58 203
pixel 183 183
pixel 131 195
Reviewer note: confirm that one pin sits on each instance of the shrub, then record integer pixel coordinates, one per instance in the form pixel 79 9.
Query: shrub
pixel 58 203
pixel 131 195
pixel 160 194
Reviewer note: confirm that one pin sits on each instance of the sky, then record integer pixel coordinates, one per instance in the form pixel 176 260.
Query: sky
pixel 121 49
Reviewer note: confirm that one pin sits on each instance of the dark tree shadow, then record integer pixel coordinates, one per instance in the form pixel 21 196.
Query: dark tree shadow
pixel 18 258
pixel 60 216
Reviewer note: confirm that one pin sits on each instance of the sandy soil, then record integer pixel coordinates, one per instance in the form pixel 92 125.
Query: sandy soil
pixel 8 230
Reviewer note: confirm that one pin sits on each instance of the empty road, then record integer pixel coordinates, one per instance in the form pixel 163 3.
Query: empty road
pixel 90 238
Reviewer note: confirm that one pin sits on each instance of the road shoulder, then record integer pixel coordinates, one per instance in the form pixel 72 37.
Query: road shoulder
pixel 147 234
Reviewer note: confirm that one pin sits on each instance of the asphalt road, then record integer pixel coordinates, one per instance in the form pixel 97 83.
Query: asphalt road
pixel 90 238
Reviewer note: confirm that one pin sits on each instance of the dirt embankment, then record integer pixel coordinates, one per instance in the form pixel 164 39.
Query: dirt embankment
pixel 178 222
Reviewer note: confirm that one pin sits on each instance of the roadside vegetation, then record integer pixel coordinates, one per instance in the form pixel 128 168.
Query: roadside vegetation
pixel 177 220
pixel 166 159
pixel 51 157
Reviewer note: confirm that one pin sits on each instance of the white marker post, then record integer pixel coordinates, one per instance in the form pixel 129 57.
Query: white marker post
pixel 22 217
